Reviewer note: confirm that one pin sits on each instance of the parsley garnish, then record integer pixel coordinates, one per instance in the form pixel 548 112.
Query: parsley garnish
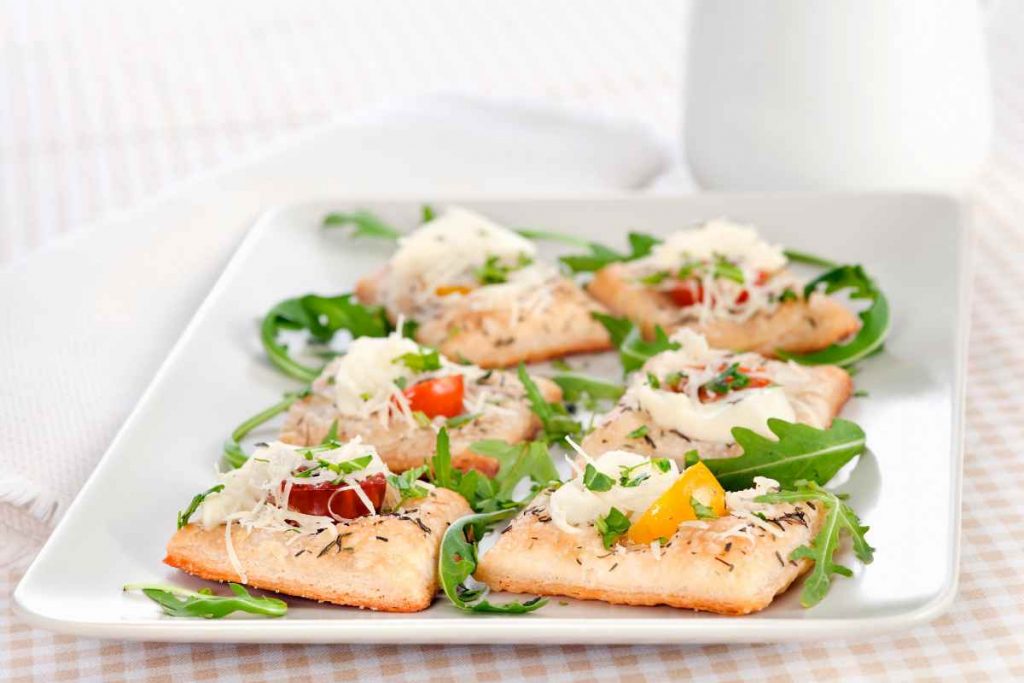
pixel 840 518
pixel 494 271
pixel 728 380
pixel 595 480
pixel 611 527
pixel 639 433
pixel 427 213
pixel 424 360
pixel 728 271
pixel 197 500
pixel 701 510
pixel 178 602
pixel 407 483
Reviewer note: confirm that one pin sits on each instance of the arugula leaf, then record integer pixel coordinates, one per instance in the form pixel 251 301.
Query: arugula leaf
pixel 178 602
pixel 550 236
pixel 424 360
pixel 701 510
pixel 633 349
pixel 800 453
pixel 364 224
pixel 840 518
pixel 611 527
pixel 458 560
pixel 517 462
pixel 576 387
pixel 234 456
pixel 407 483
pixel 460 420
pixel 809 259
pixel 322 316
pixel 640 245
pixel 197 500
pixel 875 323
pixel 596 480
pixel 556 424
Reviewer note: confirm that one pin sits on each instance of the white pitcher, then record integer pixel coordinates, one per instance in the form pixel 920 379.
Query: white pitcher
pixel 836 94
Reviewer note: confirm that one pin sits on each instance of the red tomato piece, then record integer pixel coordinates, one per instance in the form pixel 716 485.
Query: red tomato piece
pixel 328 500
pixel 687 293
pixel 440 396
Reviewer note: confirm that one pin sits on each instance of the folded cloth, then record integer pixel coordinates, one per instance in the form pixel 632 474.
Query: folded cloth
pixel 85 323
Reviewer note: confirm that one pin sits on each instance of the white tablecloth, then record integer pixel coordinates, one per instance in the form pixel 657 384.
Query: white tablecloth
pixel 103 104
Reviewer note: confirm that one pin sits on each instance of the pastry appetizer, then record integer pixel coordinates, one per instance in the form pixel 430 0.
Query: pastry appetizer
pixel 329 523
pixel 725 282
pixel 692 397
pixel 477 292
pixel 396 394
pixel 635 531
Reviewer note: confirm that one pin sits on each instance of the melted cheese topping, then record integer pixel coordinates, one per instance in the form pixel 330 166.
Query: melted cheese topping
pixel 714 421
pixel 684 411
pixel 443 251
pixel 738 243
pixel 573 505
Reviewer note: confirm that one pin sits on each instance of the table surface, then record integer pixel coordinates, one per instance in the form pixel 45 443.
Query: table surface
pixel 102 104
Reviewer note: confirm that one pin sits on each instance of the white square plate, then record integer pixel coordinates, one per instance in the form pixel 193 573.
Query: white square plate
pixel 907 487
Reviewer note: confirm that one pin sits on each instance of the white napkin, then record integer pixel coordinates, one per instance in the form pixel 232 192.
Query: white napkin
pixel 85 324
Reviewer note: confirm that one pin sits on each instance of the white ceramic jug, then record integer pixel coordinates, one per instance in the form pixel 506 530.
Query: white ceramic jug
pixel 836 94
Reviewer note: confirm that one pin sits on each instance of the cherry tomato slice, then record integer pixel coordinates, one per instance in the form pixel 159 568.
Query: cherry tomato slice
pixel 687 293
pixel 328 500
pixel 440 396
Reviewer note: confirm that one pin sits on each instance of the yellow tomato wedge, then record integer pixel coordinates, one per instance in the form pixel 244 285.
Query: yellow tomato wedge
pixel 445 290
pixel 674 506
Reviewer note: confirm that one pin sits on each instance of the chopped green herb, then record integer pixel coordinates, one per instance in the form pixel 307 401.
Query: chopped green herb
pixel 728 380
pixel 427 213
pixel 702 511
pixel 595 480
pixel 653 380
pixel 407 483
pixel 727 270
pixel 861 393
pixel 424 360
pixel 663 464
pixel 421 418
pixel 655 278
pixel 639 433
pixel 611 527
pixel 494 271
pixel 788 295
